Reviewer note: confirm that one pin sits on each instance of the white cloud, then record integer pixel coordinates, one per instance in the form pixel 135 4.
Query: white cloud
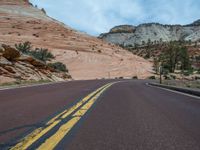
pixel 98 16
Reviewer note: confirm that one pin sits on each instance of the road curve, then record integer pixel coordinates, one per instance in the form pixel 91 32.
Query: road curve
pixel 123 115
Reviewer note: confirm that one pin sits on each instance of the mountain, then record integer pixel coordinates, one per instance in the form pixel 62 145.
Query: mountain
pixel 86 57
pixel 128 35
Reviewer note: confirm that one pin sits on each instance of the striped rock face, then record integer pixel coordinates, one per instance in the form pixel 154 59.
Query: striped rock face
pixel 128 35
pixel 86 57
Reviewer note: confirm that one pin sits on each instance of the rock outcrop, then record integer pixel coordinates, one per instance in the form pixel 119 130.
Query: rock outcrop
pixel 10 53
pixel 85 56
pixel 152 32
pixel 18 67
pixel 123 29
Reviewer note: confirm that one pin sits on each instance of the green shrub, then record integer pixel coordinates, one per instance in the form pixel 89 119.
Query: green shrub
pixel 173 77
pixel 58 66
pixel 188 72
pixel 39 53
pixel 42 54
pixel 25 47
pixel 134 77
pixel 166 77
pixel 99 51
pixel 152 77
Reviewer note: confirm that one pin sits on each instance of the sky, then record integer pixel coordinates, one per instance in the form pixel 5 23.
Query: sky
pixel 99 16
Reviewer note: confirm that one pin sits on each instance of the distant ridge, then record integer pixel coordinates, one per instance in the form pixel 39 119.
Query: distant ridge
pixel 155 32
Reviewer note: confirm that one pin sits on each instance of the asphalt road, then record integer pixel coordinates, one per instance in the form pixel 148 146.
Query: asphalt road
pixel 95 115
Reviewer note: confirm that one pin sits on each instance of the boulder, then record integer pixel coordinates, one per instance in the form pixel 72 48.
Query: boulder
pixel 4 62
pixel 25 58
pixel 10 53
pixel 32 61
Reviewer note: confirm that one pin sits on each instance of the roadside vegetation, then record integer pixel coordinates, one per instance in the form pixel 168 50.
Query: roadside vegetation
pixel 179 61
pixel 179 67
pixel 41 54
pixel 175 57
pixel 58 66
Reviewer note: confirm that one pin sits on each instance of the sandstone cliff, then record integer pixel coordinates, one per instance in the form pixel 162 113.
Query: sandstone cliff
pixel 86 57
pixel 152 32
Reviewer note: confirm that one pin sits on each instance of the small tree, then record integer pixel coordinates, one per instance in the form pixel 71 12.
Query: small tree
pixel 170 57
pixel 184 59
pixel 175 55
pixel 161 41
pixel 156 65
pixel 149 43
pixel 43 10
pixel 190 42
pixel 143 43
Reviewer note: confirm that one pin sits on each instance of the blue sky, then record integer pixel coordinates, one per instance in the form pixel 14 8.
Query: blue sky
pixel 99 16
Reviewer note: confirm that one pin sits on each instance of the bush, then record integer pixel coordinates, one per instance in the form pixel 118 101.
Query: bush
pixel 167 77
pixel 134 77
pixel 186 73
pixel 152 77
pixel 39 53
pixel 99 51
pixel 173 77
pixel 25 47
pixel 58 66
pixel 42 54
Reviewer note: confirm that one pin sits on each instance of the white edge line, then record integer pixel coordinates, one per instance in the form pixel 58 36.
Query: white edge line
pixel 27 86
pixel 35 85
pixel 189 95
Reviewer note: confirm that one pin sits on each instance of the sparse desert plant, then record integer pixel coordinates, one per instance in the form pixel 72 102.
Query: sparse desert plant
pixel 39 53
pixel 42 54
pixel 43 10
pixel 58 66
pixel 134 77
pixel 36 35
pixel 99 51
pixel 152 77
pixel 173 77
pixel 24 47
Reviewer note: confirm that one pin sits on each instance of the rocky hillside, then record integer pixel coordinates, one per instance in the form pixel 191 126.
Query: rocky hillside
pixel 127 35
pixel 85 56
pixel 16 67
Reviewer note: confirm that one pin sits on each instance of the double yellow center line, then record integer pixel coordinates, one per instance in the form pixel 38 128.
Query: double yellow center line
pixel 76 112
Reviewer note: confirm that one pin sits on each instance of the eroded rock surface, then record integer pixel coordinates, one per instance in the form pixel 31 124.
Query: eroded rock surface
pixel 85 56
pixel 152 32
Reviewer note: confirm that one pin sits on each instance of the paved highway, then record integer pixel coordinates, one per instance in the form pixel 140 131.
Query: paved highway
pixel 98 115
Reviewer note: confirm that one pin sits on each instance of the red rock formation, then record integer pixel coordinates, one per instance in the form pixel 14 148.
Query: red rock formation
pixel 15 2
pixel 85 56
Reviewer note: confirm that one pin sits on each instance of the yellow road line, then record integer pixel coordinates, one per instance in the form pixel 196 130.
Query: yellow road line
pixel 52 142
pixel 38 133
